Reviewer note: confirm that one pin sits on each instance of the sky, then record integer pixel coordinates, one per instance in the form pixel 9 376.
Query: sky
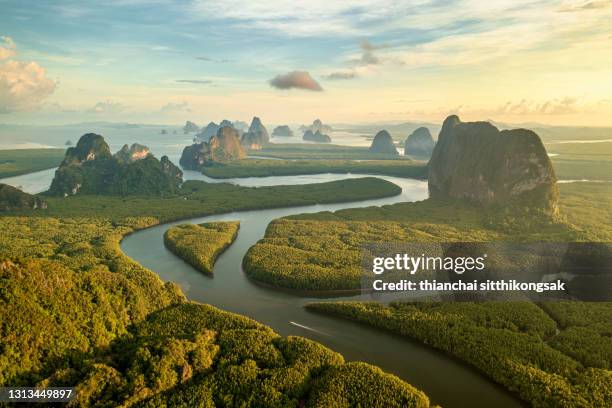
pixel 164 62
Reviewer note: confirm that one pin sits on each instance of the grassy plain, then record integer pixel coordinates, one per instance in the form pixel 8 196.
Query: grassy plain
pixel 582 161
pixel 314 151
pixel 264 168
pixel 21 161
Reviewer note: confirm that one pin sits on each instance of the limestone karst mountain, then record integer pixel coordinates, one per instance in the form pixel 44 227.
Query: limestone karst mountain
pixel 224 146
pixel 13 199
pixel 383 143
pixel 282 131
pixel 207 132
pixel 133 153
pixel 477 162
pixel 317 125
pixel 257 135
pixel 190 127
pixel 420 143
pixel 316 137
pixel 90 168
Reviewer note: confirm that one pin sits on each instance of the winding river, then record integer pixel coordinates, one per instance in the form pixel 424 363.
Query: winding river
pixel 445 380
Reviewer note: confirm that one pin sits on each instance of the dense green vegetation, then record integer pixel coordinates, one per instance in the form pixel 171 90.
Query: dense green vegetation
pixel 315 151
pixel 322 251
pixel 65 289
pixel 196 355
pixel 21 161
pixel 587 207
pixel 578 161
pixel 199 198
pixel 513 343
pixel 201 245
pixel 76 312
pixel 557 354
pixel 262 168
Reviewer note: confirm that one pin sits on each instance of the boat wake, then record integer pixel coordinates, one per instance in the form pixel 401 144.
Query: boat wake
pixel 308 328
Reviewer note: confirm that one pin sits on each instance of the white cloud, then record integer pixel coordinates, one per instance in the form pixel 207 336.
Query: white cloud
pixel 106 107
pixel 556 106
pixel 7 48
pixel 339 75
pixel 23 85
pixel 175 107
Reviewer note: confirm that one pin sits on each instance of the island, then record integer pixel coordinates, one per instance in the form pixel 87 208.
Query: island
pixel 420 143
pixel 282 131
pixel 225 146
pixel 200 245
pixel 383 143
pixel 317 137
pixel 90 168
pixel 257 135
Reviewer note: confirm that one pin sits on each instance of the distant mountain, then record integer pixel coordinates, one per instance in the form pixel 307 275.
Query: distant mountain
pixel 190 127
pixel 207 132
pixel 420 143
pixel 257 135
pixel 383 143
pixel 90 168
pixel 317 137
pixel 317 126
pixel 282 131
pixel 222 147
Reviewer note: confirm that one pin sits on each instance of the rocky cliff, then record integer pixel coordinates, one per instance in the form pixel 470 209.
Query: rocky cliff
pixel 190 127
pixel 13 199
pixel 316 137
pixel 383 143
pixel 317 125
pixel 133 153
pixel 225 145
pixel 89 168
pixel 207 132
pixel 282 131
pixel 257 135
pixel 419 143
pixel 89 147
pixel 477 162
pixel 222 147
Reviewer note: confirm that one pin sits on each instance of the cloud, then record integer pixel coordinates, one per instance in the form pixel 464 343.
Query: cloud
pixel 295 79
pixel 175 107
pixel 106 107
pixel 556 106
pixel 194 81
pixel 588 5
pixel 7 48
pixel 367 56
pixel 341 75
pixel 23 85
pixel 208 59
